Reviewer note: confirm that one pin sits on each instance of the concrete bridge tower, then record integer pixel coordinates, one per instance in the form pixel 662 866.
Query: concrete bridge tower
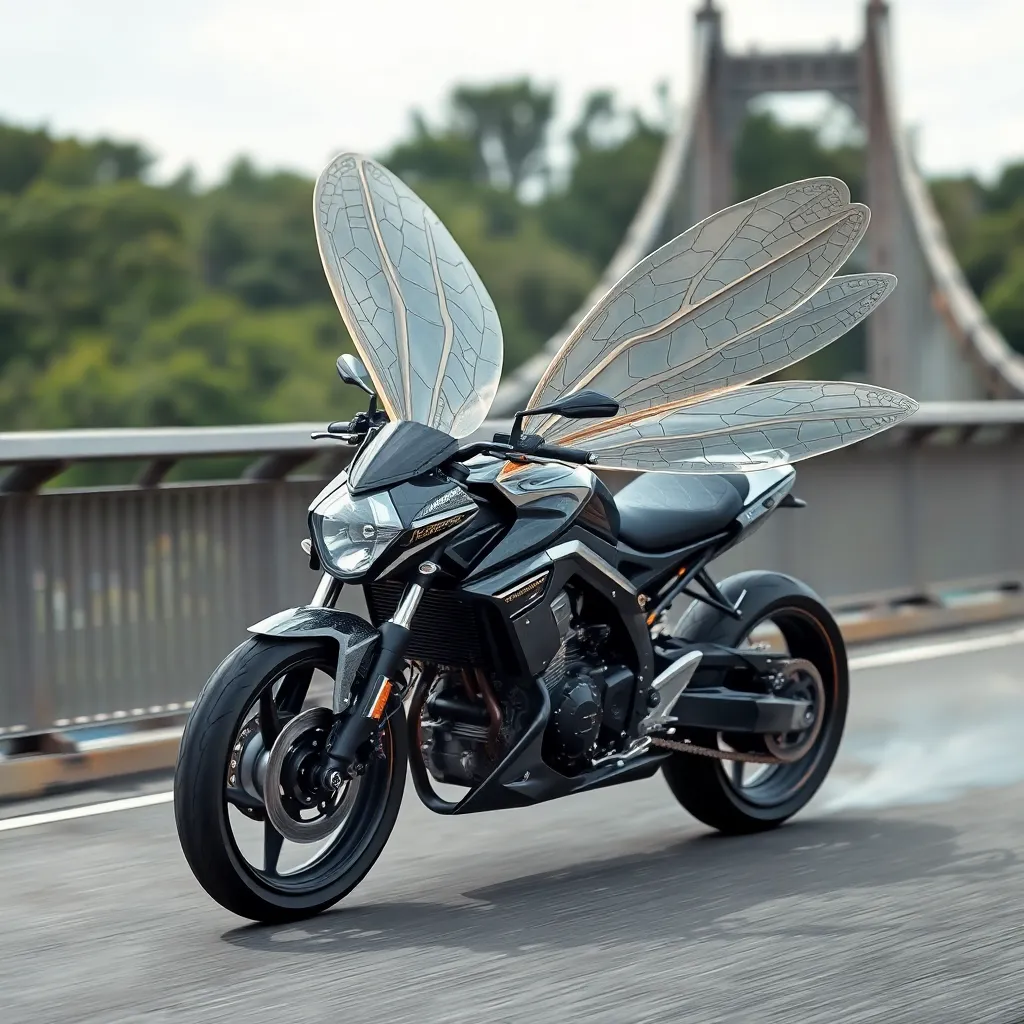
pixel 931 339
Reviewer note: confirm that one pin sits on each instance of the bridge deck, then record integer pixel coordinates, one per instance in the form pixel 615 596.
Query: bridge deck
pixel 895 897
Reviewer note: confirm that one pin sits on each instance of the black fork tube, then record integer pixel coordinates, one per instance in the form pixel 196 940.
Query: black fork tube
pixel 363 717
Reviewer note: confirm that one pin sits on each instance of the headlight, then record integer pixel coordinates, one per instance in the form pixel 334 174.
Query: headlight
pixel 352 532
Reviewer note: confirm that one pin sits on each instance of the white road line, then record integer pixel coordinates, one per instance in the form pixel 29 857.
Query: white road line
pixel 86 811
pixel 883 659
pixel 942 649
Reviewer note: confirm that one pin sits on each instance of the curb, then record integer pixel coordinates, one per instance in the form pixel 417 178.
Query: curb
pixel 43 774
pixel 38 775
pixel 935 619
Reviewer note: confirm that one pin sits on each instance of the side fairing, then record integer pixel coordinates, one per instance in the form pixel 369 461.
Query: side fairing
pixel 545 498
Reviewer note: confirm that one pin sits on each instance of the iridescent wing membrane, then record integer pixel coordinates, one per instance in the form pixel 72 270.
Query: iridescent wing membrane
pixel 751 428
pixel 416 309
pixel 734 299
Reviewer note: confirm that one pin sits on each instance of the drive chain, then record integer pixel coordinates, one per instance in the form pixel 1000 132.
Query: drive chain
pixel 686 747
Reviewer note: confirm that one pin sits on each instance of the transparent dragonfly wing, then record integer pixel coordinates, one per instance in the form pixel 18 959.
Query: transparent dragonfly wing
pixel 750 428
pixel 719 283
pixel 416 309
pixel 842 303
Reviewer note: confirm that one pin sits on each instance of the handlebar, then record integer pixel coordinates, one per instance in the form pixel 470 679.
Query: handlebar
pixel 555 451
pixel 499 447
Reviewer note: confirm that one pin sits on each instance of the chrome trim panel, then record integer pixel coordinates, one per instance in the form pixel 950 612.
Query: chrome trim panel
pixel 449 502
pixel 459 517
pixel 767 488
pixel 522 583
pixel 440 517
pixel 575 547
pixel 528 483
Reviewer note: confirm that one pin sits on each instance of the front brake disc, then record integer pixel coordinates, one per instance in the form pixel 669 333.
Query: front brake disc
pixel 307 730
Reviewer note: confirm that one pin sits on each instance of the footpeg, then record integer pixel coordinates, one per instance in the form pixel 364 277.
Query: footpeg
pixel 667 689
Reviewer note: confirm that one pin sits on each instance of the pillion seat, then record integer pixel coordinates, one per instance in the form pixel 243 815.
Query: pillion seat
pixel 662 511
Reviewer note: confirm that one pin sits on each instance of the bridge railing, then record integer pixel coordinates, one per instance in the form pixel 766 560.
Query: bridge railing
pixel 116 603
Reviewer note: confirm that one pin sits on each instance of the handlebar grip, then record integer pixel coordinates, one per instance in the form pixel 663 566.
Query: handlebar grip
pixel 340 427
pixel 554 451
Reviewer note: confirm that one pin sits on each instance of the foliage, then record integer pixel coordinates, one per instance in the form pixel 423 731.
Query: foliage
pixel 768 153
pixel 986 229
pixel 608 179
pixel 125 303
pixel 985 224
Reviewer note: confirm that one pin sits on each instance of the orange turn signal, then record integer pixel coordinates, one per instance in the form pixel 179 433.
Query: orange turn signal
pixel 382 699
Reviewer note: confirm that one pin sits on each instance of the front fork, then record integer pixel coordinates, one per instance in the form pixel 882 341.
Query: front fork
pixel 359 721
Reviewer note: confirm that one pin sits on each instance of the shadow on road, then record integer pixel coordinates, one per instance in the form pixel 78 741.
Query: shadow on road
pixel 689 889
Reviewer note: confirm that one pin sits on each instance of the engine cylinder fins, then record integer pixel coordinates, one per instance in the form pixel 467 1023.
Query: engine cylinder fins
pixel 457 739
pixel 561 609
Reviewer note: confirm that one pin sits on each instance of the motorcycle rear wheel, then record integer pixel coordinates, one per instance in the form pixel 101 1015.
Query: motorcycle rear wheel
pixel 231 710
pixel 712 790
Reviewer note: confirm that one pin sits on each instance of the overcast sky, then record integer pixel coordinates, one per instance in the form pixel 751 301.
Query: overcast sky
pixel 290 82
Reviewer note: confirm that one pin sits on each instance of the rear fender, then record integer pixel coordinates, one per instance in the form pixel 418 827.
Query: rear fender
pixel 355 637
pixel 756 592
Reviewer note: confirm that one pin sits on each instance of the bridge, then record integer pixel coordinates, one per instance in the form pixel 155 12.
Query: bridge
pixel 892 897
pixel 931 339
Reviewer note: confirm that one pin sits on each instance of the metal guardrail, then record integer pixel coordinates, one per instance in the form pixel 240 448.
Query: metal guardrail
pixel 34 457
pixel 117 603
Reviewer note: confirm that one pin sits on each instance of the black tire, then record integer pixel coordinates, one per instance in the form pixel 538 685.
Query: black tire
pixel 200 807
pixel 700 783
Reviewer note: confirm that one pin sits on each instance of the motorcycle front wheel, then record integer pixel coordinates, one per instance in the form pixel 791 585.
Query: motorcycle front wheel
pixel 261 840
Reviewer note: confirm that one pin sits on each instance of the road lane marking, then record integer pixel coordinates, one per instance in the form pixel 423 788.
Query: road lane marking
pixel 85 811
pixel 883 659
pixel 940 649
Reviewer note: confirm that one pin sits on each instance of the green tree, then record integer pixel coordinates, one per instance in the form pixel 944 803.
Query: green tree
pixel 768 153
pixel 22 156
pixel 1008 189
pixel 124 303
pixel 1004 301
pixel 256 239
pixel 508 125
pixel 446 155
pixel 614 156
pixel 985 225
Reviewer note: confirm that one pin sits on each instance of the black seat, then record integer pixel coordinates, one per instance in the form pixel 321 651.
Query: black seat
pixel 662 511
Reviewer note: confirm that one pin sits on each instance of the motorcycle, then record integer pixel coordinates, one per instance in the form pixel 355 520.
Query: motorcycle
pixel 520 641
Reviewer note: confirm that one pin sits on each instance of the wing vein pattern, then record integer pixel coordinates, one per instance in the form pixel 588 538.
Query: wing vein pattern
pixel 415 308
pixel 679 341
pixel 736 298
pixel 750 428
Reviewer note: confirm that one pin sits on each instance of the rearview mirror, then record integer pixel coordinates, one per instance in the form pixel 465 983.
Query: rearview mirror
pixel 582 405
pixel 352 371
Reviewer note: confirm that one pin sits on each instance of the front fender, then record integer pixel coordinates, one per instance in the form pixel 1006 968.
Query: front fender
pixel 355 637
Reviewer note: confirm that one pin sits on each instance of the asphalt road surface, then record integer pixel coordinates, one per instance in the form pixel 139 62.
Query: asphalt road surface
pixel 898 895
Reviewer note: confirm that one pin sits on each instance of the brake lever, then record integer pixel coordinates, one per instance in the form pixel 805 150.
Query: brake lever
pixel 350 439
